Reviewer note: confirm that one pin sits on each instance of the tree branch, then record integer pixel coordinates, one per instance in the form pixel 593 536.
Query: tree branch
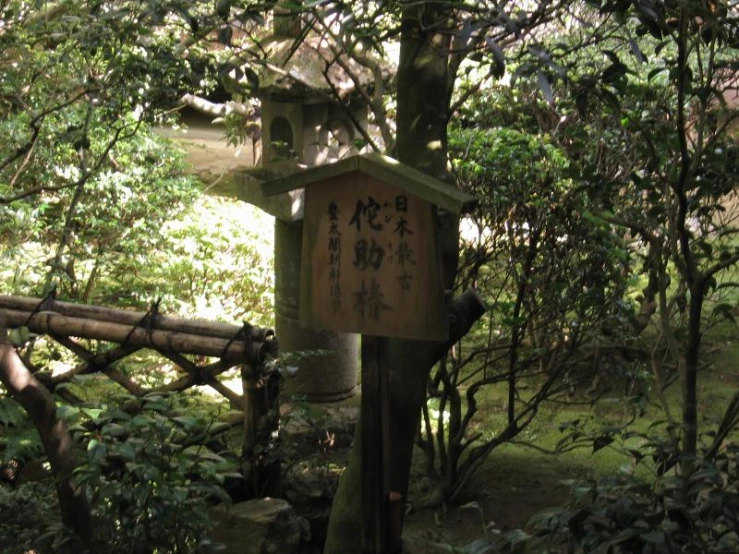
pixel 38 403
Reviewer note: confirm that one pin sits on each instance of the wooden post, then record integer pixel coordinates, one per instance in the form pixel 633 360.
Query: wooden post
pixel 392 501
pixel 373 460
pixel 251 422
pixel 261 418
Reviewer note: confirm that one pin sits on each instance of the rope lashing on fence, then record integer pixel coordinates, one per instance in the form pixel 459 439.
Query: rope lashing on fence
pixel 258 343
pixel 45 304
pixel 240 334
pixel 148 320
pixel 251 354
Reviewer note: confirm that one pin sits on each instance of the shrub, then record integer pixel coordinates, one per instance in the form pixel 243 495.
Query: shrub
pixel 148 476
pixel 30 519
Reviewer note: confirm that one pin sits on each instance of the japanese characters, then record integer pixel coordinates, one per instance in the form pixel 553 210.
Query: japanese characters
pixel 370 260
pixel 371 251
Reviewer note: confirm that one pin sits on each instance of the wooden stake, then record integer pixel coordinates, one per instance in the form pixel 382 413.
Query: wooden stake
pixel 373 487
pixel 392 501
pixel 251 412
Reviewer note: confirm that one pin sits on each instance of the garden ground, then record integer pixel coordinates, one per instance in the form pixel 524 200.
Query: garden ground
pixel 517 481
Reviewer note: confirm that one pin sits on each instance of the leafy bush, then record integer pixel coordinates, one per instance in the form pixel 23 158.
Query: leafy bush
pixel 19 439
pixel 145 469
pixel 552 281
pixel 148 476
pixel 216 263
pixel 30 519
pixel 142 230
pixel 85 242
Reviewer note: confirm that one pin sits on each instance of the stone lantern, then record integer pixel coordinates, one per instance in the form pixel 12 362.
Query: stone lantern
pixel 304 124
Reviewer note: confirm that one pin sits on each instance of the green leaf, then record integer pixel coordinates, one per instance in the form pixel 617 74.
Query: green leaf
pixel 727 285
pixel 516 540
pixel 623 535
pixel 232 475
pixel 187 422
pixel 19 335
pixel 223 8
pixel 499 68
pixel 127 451
pixel 114 430
pixel 593 218
pixel 725 311
pixel 480 546
pixel 92 413
pixel 474 505
pixel 638 455
pixel 96 451
pixel 212 457
pixel 569 424
pixel 225 34
pixel 67 412
pixel 636 51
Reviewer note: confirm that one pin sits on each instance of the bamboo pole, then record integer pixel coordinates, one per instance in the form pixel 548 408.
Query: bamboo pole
pixel 53 323
pixel 129 317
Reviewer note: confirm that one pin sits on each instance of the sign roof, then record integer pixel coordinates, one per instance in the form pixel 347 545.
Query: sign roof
pixel 384 168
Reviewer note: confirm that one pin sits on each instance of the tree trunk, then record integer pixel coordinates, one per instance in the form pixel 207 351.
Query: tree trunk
pixel 690 379
pixel 41 408
pixel 422 107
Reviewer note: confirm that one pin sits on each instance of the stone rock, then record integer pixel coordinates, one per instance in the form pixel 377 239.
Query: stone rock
pixel 343 416
pixel 293 425
pixel 304 483
pixel 260 526
pixel 311 488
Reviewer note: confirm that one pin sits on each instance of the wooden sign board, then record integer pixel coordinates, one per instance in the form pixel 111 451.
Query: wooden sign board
pixel 370 262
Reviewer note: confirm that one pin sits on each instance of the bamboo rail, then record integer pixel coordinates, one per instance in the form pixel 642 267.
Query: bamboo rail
pixel 137 329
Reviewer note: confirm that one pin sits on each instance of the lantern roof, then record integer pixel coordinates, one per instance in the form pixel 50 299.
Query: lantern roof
pixel 312 68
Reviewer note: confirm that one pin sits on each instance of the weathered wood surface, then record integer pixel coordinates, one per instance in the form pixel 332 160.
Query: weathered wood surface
pixel 374 509
pixel 370 261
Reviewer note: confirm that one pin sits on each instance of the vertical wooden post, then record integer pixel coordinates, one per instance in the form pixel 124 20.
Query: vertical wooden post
pixel 370 265
pixel 261 418
pixel 251 418
pixel 392 500
pixel 373 460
